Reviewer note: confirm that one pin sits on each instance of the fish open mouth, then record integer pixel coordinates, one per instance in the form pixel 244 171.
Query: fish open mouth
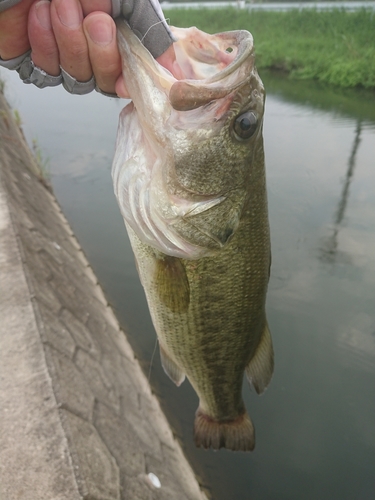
pixel 213 66
pixel 210 64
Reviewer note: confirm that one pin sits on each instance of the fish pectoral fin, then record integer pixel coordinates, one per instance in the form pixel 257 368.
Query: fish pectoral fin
pixel 260 368
pixel 173 371
pixel 172 284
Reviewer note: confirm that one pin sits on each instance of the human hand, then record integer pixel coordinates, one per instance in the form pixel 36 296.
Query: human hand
pixel 79 36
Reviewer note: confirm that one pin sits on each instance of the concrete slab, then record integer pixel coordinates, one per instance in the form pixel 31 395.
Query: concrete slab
pixel 72 398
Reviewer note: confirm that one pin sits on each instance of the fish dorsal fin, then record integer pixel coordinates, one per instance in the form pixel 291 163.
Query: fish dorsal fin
pixel 260 369
pixel 172 284
pixel 173 371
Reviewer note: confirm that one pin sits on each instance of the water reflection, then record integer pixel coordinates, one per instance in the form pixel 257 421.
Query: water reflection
pixel 315 424
pixel 329 249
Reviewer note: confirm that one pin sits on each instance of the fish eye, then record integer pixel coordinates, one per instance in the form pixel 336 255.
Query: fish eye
pixel 245 125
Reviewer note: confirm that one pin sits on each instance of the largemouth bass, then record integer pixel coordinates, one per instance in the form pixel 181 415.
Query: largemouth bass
pixel 189 178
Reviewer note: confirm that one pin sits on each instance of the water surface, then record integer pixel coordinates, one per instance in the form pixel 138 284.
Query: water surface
pixel 316 423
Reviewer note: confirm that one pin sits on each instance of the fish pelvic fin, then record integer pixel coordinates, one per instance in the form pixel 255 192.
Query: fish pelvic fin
pixel 236 435
pixel 173 371
pixel 260 368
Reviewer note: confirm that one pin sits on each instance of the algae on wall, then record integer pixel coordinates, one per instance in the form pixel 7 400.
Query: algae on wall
pixel 11 129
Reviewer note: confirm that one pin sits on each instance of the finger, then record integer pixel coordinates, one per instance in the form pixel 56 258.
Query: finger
pixel 67 17
pixel 168 60
pixel 121 89
pixel 14 40
pixel 89 6
pixel 100 31
pixel 44 50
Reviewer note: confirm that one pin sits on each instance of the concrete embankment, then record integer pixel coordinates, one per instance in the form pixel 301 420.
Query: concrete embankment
pixel 77 416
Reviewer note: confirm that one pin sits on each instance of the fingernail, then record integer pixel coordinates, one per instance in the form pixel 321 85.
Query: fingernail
pixel 43 14
pixel 69 13
pixel 100 33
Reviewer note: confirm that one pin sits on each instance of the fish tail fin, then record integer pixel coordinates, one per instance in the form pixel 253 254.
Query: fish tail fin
pixel 260 369
pixel 236 435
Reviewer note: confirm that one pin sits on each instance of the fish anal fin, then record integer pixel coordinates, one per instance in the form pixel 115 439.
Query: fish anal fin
pixel 172 284
pixel 260 368
pixel 236 435
pixel 173 371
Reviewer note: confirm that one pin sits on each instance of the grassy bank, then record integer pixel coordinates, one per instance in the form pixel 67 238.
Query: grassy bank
pixel 335 47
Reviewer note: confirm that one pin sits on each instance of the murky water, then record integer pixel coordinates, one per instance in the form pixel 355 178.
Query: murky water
pixel 316 423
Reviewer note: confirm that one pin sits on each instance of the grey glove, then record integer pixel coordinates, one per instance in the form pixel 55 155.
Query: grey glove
pixel 7 4
pixel 29 73
pixel 145 18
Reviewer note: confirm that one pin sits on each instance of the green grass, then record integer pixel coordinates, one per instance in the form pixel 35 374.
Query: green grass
pixel 42 162
pixel 17 118
pixel 334 47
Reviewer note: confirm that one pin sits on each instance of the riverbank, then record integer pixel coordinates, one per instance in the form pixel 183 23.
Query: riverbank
pixel 334 47
pixel 78 418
